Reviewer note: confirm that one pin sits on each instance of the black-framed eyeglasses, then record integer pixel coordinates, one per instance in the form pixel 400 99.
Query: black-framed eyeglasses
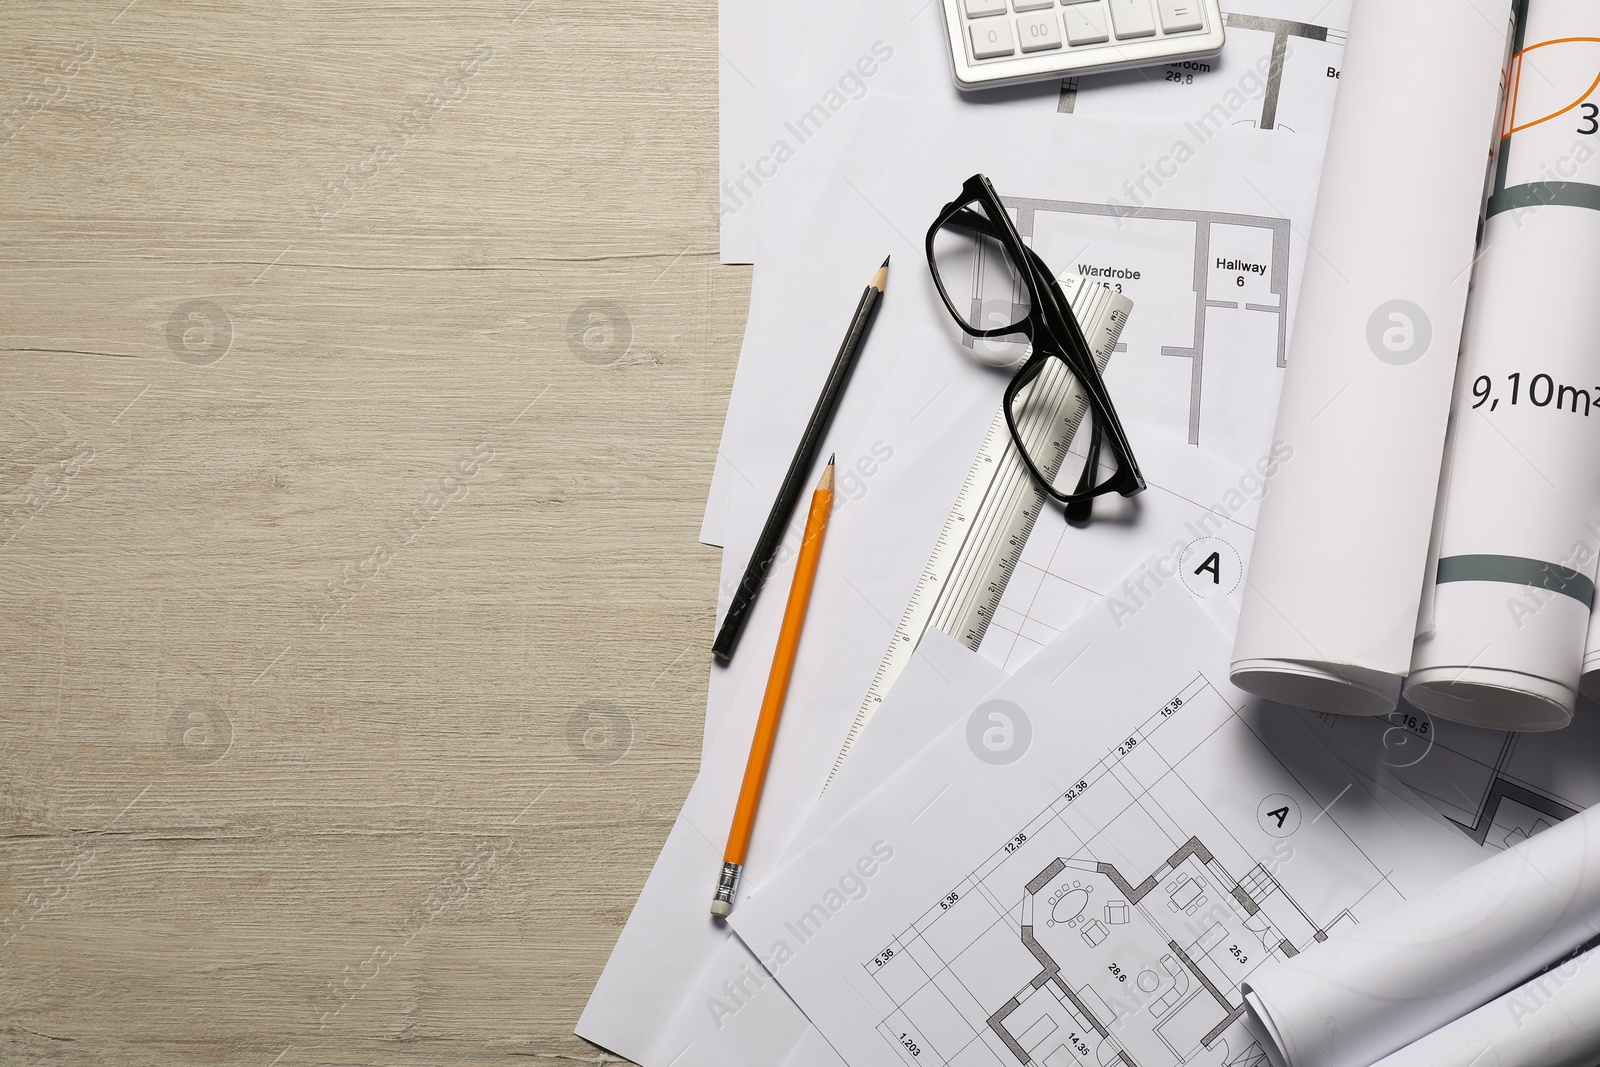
pixel 995 286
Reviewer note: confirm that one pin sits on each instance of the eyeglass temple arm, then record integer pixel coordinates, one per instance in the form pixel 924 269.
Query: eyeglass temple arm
pixel 1128 475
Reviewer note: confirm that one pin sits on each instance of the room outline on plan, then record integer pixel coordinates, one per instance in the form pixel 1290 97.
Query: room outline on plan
pixel 1499 788
pixel 1282 30
pixel 1061 906
pixel 1115 928
pixel 1219 284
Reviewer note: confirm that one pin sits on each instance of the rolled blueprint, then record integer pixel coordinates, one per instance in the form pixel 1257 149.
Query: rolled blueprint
pixel 1520 501
pixel 1372 989
pixel 1590 686
pixel 1336 575
pixel 1551 1021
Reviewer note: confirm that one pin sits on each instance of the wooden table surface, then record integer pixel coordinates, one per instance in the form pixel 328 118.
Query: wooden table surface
pixel 363 371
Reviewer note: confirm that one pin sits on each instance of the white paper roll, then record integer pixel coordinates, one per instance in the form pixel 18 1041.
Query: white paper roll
pixel 1370 990
pixel 1590 686
pixel 1552 1021
pixel 1336 574
pixel 1521 495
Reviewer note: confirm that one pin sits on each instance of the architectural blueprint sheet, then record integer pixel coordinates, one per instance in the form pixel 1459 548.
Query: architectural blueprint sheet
pixel 1497 788
pixel 1083 869
pixel 1278 71
pixel 1294 50
pixel 817 51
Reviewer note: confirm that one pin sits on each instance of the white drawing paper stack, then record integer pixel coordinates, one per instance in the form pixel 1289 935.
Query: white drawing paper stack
pixel 1336 579
pixel 1520 507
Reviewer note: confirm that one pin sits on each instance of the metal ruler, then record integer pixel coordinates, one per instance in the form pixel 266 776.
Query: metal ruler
pixel 994 513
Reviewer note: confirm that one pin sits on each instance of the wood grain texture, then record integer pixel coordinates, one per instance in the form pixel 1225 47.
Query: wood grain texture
pixel 361 371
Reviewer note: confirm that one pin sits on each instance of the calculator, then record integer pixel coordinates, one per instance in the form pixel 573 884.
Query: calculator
pixel 1008 42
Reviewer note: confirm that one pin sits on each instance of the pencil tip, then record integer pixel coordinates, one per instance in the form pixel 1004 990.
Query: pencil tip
pixel 881 279
pixel 831 457
pixel 826 481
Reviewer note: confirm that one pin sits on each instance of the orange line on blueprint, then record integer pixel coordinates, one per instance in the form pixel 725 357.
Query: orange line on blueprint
pixel 1516 94
pixel 1517 91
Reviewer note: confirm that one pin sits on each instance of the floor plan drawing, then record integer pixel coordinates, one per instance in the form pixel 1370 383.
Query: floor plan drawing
pixel 1274 74
pixel 1281 30
pixel 1070 911
pixel 1082 869
pixel 1115 928
pixel 1204 273
pixel 1499 788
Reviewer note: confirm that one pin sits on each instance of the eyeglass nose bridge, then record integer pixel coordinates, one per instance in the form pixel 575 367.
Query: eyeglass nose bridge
pixel 1008 351
pixel 1000 321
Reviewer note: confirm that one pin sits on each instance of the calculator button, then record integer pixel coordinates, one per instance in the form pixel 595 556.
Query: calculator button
pixel 1180 16
pixel 1132 18
pixel 1086 24
pixel 1039 33
pixel 977 9
pixel 1032 5
pixel 990 38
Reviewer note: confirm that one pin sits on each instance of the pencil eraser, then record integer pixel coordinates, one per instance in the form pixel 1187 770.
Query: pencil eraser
pixel 721 909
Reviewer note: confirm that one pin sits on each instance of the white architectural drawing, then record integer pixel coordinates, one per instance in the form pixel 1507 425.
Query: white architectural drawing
pixel 1115 928
pixel 1274 74
pixel 1497 787
pixel 1227 272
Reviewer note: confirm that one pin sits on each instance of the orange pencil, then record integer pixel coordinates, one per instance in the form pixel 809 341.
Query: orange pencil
pixel 794 620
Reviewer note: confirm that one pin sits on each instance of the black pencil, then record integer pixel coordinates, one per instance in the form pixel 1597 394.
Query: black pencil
pixel 755 573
